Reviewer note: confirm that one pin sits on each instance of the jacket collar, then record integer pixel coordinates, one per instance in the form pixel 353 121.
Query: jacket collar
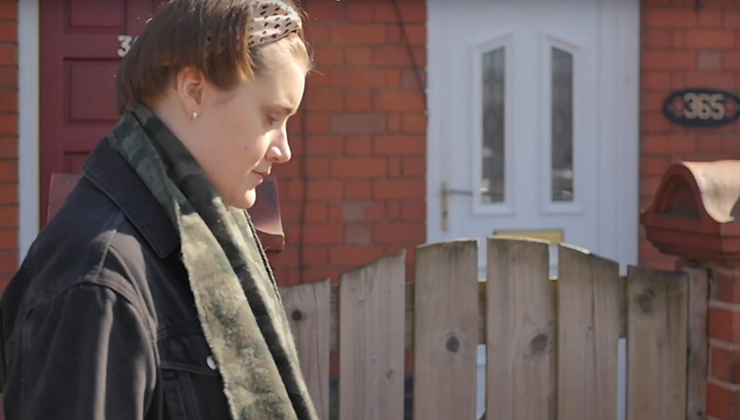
pixel 110 173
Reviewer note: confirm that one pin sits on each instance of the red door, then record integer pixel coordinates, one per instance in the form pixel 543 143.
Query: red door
pixel 82 42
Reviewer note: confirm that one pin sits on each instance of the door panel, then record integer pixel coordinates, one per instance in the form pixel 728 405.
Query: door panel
pixel 80 44
pixel 523 130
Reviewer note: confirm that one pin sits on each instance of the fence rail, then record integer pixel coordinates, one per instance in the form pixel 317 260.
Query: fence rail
pixel 551 345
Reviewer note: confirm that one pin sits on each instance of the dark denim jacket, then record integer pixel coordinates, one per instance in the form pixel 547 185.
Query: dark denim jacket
pixel 99 322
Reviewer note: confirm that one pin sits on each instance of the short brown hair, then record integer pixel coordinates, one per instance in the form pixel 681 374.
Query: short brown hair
pixel 209 35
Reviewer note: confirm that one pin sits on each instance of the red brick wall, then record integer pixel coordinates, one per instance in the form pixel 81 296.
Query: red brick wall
pixel 8 140
pixel 683 47
pixel 355 189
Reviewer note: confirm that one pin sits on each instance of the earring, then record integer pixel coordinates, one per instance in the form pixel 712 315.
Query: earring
pixel 194 116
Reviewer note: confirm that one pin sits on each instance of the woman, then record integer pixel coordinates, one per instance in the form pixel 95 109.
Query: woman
pixel 148 296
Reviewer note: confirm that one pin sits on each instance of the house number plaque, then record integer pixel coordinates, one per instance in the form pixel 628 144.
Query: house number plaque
pixel 702 107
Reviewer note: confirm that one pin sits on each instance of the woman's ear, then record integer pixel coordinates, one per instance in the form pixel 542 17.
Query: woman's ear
pixel 190 83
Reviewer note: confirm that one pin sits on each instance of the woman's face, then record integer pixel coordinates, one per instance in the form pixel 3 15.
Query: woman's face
pixel 240 134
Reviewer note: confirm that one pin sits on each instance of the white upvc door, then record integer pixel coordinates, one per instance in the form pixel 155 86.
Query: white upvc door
pixel 533 122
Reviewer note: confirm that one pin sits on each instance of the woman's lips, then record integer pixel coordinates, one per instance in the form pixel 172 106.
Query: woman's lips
pixel 261 176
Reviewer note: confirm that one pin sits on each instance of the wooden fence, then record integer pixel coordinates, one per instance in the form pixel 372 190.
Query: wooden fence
pixel 551 345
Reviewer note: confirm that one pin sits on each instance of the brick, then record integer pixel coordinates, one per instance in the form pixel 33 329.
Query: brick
pixel 709 144
pixel 710 18
pixel 8 78
pixel 654 165
pixel 400 233
pixel 710 38
pixel 392 145
pixel 731 60
pixel 414 79
pixel 730 145
pixel 9 171
pixel 726 285
pixel 8 240
pixel 679 38
pixel 413 211
pixel 317 123
pixel 656 80
pixel 9 217
pixel 399 56
pixel 657 38
pixel 358 56
pixel 8 147
pixel 329 145
pixel 354 211
pixel 375 211
pixel 668 60
pixel 725 365
pixel 8 262
pixel 398 188
pixel 394 123
pixel 321 100
pixel 393 78
pixel 358 189
pixel 325 189
pixel 414 123
pixel 358 123
pixel 653 101
pixel 8 54
pixel 9 10
pixel 414 166
pixel 317 212
pixel 722 402
pixel 358 79
pixel 394 167
pixel 8 31
pixel 710 79
pixel 671 18
pixel 410 35
pixel 315 256
pixel 655 123
pixel 358 101
pixel 323 234
pixel 393 211
pixel 370 167
pixel 326 11
pixel 8 125
pixel 710 60
pixel 408 13
pixel 8 194
pixel 360 12
pixel 731 19
pixel 724 324
pixel 400 101
pixel 358 234
pixel 355 256
pixel 329 57
pixel 358 146
pixel 358 34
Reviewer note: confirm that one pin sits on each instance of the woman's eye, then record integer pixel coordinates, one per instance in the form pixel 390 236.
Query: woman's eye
pixel 270 120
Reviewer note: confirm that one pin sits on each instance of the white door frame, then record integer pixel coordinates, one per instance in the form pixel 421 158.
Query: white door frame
pixel 619 124
pixel 28 125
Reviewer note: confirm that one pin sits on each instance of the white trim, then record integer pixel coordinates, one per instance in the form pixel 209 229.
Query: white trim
pixel 28 124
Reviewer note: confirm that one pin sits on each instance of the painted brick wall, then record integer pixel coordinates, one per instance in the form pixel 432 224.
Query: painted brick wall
pixel 355 189
pixel 683 47
pixel 8 140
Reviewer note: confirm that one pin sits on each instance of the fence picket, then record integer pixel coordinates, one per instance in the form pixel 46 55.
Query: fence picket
pixel 589 294
pixel 698 366
pixel 371 340
pixel 520 378
pixel 656 344
pixel 309 314
pixel 446 331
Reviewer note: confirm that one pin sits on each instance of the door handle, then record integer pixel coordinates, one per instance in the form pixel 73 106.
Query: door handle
pixel 445 193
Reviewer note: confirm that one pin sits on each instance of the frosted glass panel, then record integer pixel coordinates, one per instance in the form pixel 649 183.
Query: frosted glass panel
pixel 492 185
pixel 562 125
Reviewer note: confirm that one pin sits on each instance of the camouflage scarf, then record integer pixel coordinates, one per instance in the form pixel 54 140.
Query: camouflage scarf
pixel 235 292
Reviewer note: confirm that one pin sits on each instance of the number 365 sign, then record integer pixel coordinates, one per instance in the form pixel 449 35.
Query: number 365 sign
pixel 702 107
